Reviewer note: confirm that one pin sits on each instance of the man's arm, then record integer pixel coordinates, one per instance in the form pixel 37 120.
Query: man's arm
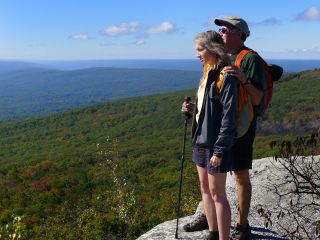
pixel 254 93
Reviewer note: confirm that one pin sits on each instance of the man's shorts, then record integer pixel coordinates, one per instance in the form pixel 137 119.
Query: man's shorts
pixel 243 150
pixel 201 157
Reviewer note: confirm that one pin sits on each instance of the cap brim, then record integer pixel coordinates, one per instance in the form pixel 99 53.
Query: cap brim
pixel 221 22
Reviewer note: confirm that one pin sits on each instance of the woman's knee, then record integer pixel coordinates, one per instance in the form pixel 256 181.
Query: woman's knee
pixel 217 185
pixel 217 194
pixel 204 187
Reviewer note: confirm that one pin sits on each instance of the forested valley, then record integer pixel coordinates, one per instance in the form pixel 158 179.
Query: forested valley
pixel 111 170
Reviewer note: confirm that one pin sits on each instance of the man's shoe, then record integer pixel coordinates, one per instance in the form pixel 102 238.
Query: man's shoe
pixel 197 224
pixel 241 232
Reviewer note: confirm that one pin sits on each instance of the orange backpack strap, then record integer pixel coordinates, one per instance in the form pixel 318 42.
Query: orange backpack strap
pixel 240 56
pixel 245 111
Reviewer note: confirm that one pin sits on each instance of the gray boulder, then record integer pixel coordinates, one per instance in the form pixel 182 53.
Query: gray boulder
pixel 264 171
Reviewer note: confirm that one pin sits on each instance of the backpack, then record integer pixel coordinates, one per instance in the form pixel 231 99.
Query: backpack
pixel 245 111
pixel 273 73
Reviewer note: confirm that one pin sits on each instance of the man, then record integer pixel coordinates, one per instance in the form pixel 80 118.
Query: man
pixel 251 75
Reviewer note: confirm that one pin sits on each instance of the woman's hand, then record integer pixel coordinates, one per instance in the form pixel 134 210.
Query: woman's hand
pixel 187 107
pixel 215 161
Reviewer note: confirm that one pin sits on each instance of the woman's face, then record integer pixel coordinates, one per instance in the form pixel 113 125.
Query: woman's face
pixel 205 56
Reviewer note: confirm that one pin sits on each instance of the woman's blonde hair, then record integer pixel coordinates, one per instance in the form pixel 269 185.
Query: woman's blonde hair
pixel 214 43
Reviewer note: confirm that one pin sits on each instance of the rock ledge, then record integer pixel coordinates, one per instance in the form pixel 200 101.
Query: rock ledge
pixel 261 175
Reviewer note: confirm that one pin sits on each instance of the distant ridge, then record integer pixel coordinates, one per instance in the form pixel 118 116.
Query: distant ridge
pixel 289 65
pixel 9 66
pixel 38 91
pixel 32 90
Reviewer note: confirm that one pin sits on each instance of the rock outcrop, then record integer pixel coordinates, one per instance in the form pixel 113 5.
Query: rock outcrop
pixel 262 175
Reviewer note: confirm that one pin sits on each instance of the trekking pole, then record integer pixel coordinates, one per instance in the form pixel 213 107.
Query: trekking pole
pixel 187 117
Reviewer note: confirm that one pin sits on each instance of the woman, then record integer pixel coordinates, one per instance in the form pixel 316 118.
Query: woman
pixel 213 130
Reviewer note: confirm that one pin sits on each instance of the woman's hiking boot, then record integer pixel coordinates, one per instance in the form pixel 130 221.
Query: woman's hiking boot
pixel 214 235
pixel 241 232
pixel 199 223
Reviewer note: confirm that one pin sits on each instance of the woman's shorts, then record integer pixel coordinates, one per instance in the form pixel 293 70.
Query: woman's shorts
pixel 201 157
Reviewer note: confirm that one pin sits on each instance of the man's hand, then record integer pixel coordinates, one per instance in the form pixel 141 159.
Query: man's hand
pixel 255 94
pixel 236 72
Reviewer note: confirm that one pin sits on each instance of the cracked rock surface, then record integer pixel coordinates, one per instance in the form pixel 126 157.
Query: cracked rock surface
pixel 262 174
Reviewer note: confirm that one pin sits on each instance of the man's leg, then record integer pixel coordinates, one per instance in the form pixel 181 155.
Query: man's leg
pixel 242 162
pixel 242 230
pixel 244 192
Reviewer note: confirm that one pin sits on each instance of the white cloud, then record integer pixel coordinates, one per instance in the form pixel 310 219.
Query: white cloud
pixel 306 50
pixel 269 22
pixel 303 53
pixel 139 42
pixel 293 53
pixel 310 14
pixel 163 27
pixel 80 37
pixel 122 29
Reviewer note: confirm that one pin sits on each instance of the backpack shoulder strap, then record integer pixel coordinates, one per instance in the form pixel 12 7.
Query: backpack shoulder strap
pixel 240 56
pixel 220 80
pixel 245 111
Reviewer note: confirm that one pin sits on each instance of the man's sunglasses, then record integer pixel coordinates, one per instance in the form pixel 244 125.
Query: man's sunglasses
pixel 226 30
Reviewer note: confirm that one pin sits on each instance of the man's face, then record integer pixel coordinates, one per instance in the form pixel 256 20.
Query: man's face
pixel 230 34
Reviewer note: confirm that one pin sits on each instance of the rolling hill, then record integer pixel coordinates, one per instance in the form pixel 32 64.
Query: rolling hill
pixel 38 91
pixel 110 171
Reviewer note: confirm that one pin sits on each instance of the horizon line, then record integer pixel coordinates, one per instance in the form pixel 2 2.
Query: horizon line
pixel 135 59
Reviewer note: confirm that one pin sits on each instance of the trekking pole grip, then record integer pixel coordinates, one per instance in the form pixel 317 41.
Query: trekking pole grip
pixel 188 115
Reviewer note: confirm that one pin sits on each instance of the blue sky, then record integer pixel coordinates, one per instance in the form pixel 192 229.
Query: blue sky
pixel 142 29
